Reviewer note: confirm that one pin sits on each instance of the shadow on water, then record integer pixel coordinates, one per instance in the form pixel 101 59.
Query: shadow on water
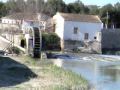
pixel 13 73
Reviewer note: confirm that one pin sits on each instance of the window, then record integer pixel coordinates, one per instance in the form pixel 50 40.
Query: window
pixel 86 36
pixel 75 30
pixel 95 38
pixel 31 23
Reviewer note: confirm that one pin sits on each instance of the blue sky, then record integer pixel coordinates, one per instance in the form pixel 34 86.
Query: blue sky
pixel 91 2
pixel 3 0
pixel 95 2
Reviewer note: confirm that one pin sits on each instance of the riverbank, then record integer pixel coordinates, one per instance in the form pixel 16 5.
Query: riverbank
pixel 25 73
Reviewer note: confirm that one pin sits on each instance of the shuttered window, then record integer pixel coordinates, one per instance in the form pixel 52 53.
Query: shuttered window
pixel 75 30
pixel 86 36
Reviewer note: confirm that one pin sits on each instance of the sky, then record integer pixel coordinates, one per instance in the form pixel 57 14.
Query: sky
pixel 95 2
pixel 90 2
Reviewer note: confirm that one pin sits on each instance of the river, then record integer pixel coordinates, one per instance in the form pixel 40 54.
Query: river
pixel 103 74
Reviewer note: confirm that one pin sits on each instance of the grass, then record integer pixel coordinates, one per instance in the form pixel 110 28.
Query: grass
pixel 49 76
pixel 67 79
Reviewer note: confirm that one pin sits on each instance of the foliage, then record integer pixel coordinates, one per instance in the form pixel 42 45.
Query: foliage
pixel 77 7
pixel 111 52
pixel 93 9
pixel 30 6
pixel 34 6
pixel 14 50
pixel 50 7
pixel 113 16
pixel 54 6
pixel 12 6
pixel 50 41
pixel 3 10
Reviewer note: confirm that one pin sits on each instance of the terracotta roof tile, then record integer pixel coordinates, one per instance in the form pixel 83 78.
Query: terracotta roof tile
pixel 26 16
pixel 80 17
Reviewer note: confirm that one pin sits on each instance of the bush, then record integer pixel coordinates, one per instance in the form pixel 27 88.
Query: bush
pixel 14 50
pixel 50 41
pixel 111 52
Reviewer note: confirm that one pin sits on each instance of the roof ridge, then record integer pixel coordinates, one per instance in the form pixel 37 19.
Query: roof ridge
pixel 28 16
pixel 77 14
pixel 80 17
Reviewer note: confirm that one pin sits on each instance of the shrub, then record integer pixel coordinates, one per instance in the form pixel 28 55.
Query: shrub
pixel 14 50
pixel 50 41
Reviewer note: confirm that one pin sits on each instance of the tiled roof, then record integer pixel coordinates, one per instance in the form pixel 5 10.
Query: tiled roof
pixel 26 16
pixel 80 17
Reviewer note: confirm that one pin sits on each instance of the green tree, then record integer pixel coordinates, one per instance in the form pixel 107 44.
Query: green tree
pixel 3 10
pixel 31 6
pixel 77 7
pixel 53 6
pixel 21 5
pixel 12 6
pixel 117 6
pixel 40 5
pixel 94 9
pixel 107 8
pixel 50 41
pixel 106 14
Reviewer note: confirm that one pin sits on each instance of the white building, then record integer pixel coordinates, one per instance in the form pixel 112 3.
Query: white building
pixel 77 27
pixel 11 21
pixel 37 20
pixel 22 21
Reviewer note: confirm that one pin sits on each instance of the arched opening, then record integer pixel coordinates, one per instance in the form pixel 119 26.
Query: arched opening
pixel 23 43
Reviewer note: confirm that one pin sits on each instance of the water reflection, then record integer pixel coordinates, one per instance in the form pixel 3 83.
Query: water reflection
pixel 113 72
pixel 104 75
pixel 110 77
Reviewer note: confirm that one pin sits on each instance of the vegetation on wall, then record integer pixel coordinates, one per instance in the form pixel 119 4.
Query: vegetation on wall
pixel 14 50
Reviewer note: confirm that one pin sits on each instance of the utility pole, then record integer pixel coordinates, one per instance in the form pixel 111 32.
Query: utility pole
pixel 107 20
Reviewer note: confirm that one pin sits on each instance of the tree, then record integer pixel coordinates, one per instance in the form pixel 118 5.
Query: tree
pixel 106 14
pixel 117 6
pixel 3 10
pixel 12 6
pixel 116 15
pixel 31 6
pixel 93 9
pixel 40 5
pixel 21 5
pixel 77 7
pixel 35 6
pixel 107 8
pixel 53 6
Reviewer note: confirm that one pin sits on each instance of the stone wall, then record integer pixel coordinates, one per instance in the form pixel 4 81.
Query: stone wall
pixel 83 46
pixel 16 38
pixel 9 26
pixel 69 44
pixel 111 39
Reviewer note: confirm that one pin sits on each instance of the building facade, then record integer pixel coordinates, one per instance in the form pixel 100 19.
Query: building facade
pixel 76 27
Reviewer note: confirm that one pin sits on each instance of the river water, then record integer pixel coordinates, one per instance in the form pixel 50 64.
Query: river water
pixel 104 75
